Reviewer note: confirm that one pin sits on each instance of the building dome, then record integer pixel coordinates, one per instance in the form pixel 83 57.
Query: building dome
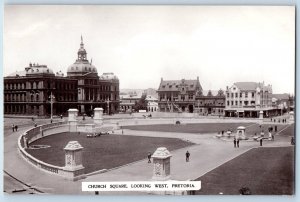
pixel 82 64
pixel 82 67
pixel 108 76
pixel 36 69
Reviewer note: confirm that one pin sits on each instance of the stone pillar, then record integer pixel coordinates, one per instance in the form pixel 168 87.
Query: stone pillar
pixel 261 115
pixel 291 119
pixel 240 133
pixel 161 162
pixel 74 169
pixel 72 120
pixel 98 113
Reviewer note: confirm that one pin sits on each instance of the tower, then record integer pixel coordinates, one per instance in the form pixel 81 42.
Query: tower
pixel 81 52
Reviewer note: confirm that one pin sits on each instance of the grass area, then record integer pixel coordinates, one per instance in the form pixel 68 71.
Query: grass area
pixel 189 128
pixel 265 171
pixel 290 131
pixel 204 127
pixel 107 151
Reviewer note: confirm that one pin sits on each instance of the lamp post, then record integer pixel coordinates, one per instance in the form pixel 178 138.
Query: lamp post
pixel 107 102
pixel 51 97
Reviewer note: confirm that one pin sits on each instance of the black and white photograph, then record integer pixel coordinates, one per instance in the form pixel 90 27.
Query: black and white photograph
pixel 149 100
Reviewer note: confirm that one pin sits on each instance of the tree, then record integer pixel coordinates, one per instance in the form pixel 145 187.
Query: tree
pixel 141 104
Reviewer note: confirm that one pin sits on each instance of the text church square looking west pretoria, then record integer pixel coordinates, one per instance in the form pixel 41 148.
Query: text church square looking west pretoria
pixel 61 130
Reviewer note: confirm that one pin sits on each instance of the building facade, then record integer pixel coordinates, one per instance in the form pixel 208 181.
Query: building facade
pixel 247 99
pixel 178 95
pixel 34 90
pixel 210 104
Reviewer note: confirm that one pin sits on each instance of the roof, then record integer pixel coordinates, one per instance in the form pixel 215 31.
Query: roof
pixel 251 86
pixel 18 74
pixel 247 85
pixel 108 76
pixel 283 96
pixel 173 85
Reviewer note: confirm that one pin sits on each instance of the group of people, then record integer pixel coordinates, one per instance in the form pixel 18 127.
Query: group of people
pixel 187 156
pixel 14 127
pixel 236 142
pixel 283 120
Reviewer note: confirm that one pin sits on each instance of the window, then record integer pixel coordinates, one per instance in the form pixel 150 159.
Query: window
pixel 241 103
pixel 191 96
pixel 236 103
pixel 182 97
pixel 236 94
pixel 252 94
pixel 246 94
pixel 228 103
pixel 227 94
pixel 231 94
pixel 231 102
pixel 241 94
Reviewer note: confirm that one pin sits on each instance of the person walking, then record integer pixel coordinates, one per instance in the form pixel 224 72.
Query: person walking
pixel 149 157
pixel 16 128
pixel 260 141
pixel 275 128
pixel 234 142
pixel 238 143
pixel 13 127
pixel 187 156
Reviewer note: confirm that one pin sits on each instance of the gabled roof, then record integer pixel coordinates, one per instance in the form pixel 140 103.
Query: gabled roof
pixel 173 85
pixel 247 85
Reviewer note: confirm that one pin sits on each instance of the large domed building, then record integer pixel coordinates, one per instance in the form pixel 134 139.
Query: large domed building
pixel 30 91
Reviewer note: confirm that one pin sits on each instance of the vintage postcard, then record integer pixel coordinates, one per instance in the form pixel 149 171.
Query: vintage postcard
pixel 149 100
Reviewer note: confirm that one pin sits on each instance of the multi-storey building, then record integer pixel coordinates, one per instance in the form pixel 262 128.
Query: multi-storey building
pixel 178 95
pixel 210 104
pixel 247 99
pixel 34 90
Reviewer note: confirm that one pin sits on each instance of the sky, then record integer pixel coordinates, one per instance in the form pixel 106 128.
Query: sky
pixel 142 44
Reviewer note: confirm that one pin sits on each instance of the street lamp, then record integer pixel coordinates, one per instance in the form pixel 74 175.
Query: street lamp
pixel 51 97
pixel 107 102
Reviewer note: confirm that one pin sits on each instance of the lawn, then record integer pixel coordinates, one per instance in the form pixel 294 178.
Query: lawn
pixel 197 128
pixel 265 171
pixel 107 151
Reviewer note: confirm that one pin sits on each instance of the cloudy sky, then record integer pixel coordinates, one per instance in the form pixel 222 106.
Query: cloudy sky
pixel 141 44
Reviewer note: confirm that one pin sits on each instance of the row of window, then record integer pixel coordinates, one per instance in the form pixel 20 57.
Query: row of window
pixel 246 94
pixel 236 103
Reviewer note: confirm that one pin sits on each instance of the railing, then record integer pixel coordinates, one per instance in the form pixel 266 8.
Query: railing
pixel 30 135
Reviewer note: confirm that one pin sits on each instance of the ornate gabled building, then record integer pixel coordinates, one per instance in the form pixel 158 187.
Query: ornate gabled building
pixel 178 95
pixel 210 104
pixel 30 92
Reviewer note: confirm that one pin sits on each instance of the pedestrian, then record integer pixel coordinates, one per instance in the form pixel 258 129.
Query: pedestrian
pixel 61 116
pixel 16 127
pixel 187 156
pixel 234 142
pixel 149 157
pixel 260 141
pixel 273 137
pixel 32 118
pixel 222 132
pixel 51 121
pixel 275 129
pixel 238 143
pixel 292 141
pixel 13 127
